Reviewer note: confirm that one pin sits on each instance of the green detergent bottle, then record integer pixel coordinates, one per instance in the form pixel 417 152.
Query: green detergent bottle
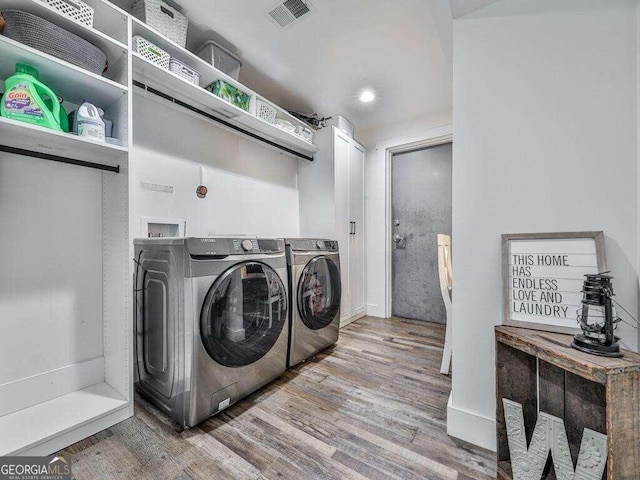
pixel 28 100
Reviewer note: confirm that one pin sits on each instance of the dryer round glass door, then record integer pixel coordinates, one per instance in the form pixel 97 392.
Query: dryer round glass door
pixel 319 291
pixel 243 314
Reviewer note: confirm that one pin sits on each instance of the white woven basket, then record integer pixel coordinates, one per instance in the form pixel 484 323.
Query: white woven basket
pixel 265 112
pixel 151 52
pixel 286 126
pixel 164 18
pixel 184 71
pixel 77 10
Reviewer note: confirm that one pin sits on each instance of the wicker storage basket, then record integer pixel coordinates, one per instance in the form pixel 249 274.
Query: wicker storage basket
pixel 38 33
pixel 151 52
pixel 265 112
pixel 164 18
pixel 76 9
pixel 184 71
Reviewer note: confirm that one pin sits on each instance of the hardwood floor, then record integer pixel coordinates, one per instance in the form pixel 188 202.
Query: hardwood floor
pixel 371 407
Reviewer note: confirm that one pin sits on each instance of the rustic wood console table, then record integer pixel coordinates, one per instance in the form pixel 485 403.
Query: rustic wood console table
pixel 542 372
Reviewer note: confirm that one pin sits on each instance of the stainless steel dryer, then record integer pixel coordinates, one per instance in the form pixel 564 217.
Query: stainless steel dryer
pixel 315 286
pixel 211 320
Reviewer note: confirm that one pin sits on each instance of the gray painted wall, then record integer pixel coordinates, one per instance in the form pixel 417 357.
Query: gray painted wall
pixel 422 205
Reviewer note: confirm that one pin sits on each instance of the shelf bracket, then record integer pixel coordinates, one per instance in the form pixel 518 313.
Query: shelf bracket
pixel 169 98
pixel 56 158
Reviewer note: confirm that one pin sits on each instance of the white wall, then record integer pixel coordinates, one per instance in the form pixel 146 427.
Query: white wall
pixel 252 187
pixel 51 274
pixel 377 142
pixel 545 128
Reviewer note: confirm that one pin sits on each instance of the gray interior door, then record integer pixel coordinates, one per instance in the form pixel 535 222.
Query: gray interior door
pixel 421 210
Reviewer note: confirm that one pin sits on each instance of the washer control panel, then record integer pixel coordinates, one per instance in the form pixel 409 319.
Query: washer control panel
pixel 245 245
pixel 224 246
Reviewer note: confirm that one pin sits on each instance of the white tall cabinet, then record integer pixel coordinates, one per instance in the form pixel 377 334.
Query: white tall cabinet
pixel 332 202
pixel 65 283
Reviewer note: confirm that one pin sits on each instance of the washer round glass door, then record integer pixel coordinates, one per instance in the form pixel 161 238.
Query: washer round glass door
pixel 243 314
pixel 319 291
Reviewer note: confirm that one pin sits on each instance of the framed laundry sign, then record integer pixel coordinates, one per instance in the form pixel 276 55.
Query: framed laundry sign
pixel 543 275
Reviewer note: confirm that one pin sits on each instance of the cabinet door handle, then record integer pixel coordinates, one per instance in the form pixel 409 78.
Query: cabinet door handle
pixel 354 228
pixel 351 228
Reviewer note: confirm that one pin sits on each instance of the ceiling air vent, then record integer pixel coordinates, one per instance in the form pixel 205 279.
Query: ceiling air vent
pixel 284 14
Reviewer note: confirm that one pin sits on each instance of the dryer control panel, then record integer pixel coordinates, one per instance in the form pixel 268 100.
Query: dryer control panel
pixel 312 244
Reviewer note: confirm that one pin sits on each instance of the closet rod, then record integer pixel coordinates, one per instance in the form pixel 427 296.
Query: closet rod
pixel 219 120
pixel 56 158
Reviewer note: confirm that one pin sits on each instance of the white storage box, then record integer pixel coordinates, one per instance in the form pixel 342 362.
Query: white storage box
pixel 184 71
pixel 164 18
pixel 221 58
pixel 151 52
pixel 285 125
pixel 76 9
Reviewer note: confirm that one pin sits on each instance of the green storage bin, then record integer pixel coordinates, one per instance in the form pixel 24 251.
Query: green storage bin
pixel 230 93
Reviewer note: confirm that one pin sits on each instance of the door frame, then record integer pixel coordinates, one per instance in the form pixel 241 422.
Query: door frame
pixel 432 138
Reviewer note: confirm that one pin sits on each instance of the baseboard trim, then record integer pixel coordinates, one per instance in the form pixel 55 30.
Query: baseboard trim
pixel 471 427
pixel 346 321
pixel 375 310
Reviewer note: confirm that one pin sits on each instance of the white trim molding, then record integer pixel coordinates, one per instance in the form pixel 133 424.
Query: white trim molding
pixel 471 427
pixel 379 205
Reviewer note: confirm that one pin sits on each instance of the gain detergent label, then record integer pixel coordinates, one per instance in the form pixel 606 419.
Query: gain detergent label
pixel 19 102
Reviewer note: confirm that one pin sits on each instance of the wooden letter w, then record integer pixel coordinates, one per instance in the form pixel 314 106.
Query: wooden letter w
pixel 550 435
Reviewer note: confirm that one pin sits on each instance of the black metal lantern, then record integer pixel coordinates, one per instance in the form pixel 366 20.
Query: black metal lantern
pixel 597 318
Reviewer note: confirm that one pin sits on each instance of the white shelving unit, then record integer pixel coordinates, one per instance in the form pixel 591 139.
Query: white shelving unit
pixel 65 79
pixel 173 85
pixel 66 348
pixel 110 45
pixel 66 352
pixel 46 141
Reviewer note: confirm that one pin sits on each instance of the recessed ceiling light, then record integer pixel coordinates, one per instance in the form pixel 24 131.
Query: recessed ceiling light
pixel 367 96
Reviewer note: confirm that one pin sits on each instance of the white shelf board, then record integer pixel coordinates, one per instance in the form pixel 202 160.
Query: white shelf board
pixel 27 428
pixel 113 49
pixel 208 73
pixel 74 84
pixel 44 140
pixel 179 88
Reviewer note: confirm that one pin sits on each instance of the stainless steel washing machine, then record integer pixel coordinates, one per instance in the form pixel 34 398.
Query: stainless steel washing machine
pixel 211 319
pixel 315 286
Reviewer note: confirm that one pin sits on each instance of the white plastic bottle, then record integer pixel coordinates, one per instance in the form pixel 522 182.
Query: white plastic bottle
pixel 90 123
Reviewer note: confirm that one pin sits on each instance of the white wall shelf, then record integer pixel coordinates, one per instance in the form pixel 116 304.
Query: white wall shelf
pixel 69 81
pixel 50 142
pixel 115 50
pixel 173 85
pixel 30 431
pixel 208 73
